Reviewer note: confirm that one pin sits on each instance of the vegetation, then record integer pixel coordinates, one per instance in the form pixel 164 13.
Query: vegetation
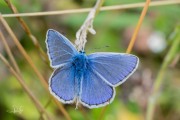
pixel 152 92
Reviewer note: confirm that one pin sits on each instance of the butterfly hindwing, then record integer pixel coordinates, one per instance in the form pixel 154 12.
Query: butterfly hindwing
pixel 60 49
pixel 94 91
pixel 114 68
pixel 62 84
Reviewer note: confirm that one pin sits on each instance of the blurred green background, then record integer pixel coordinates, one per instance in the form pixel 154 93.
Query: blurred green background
pixel 114 30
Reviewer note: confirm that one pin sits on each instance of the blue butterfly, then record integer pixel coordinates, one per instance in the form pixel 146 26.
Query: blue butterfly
pixel 86 79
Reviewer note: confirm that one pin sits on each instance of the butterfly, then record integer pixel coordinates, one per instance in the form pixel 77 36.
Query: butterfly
pixel 86 79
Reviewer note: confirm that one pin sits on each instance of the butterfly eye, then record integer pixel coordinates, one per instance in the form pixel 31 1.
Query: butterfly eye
pixel 82 52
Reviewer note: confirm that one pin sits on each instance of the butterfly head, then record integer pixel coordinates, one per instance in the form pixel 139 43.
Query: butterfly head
pixel 82 52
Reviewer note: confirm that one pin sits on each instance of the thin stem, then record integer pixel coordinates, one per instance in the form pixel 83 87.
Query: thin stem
pixel 18 70
pixel 8 50
pixel 105 8
pixel 45 106
pixel 23 52
pixel 98 6
pixel 102 113
pixel 159 79
pixel 25 87
pixel 87 26
pixel 144 11
pixel 27 30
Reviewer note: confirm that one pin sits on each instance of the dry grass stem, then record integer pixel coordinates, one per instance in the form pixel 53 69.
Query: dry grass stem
pixel 106 8
pixel 8 50
pixel 23 52
pixel 102 113
pixel 28 32
pixel 144 11
pixel 87 26
pixel 37 103
pixel 25 87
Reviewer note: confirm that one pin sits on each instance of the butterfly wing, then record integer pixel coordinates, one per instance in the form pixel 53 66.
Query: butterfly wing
pixel 114 68
pixel 62 84
pixel 94 91
pixel 60 50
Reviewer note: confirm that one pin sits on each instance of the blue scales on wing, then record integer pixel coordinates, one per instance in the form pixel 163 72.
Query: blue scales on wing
pixel 62 84
pixel 94 91
pixel 60 49
pixel 114 68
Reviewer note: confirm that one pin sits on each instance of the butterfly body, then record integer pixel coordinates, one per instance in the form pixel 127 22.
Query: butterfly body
pixel 79 63
pixel 86 79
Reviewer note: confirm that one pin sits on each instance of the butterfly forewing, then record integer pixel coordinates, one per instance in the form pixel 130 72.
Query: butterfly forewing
pixel 60 49
pixel 114 68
